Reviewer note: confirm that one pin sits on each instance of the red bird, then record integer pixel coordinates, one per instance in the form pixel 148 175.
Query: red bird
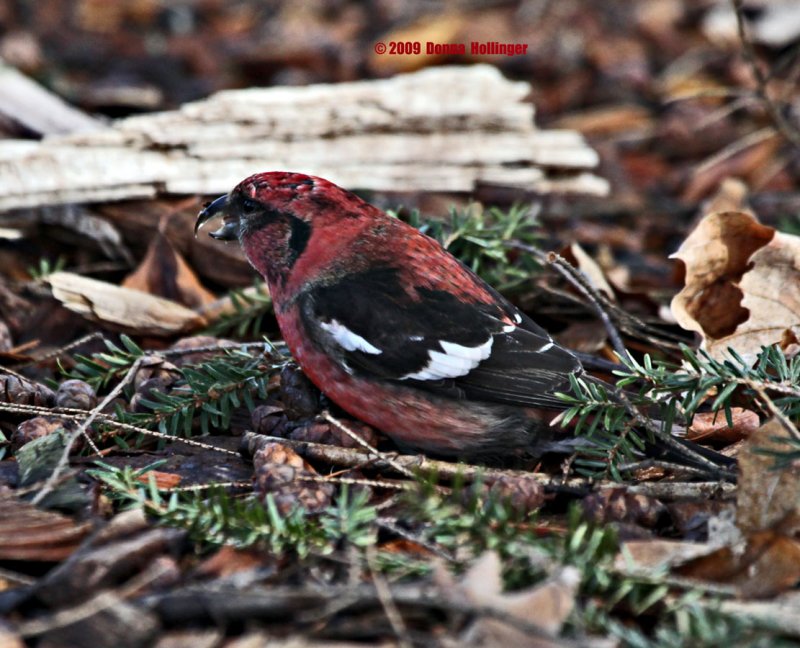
pixel 389 325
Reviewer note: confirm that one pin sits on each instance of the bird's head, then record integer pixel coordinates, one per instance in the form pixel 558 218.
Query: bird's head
pixel 280 218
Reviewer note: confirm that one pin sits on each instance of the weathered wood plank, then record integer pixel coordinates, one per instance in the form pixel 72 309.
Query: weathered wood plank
pixel 442 129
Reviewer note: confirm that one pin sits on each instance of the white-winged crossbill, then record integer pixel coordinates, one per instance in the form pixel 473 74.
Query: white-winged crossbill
pixel 389 325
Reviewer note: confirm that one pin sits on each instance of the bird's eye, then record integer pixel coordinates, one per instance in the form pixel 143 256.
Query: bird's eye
pixel 249 206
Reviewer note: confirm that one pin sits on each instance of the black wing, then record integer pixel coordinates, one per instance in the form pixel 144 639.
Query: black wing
pixel 434 340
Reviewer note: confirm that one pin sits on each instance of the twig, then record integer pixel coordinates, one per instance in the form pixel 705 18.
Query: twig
pixel 582 283
pixel 314 604
pixel 35 486
pixel 102 601
pixel 326 415
pixel 406 464
pixel 783 125
pixel 372 483
pixel 211 348
pixel 785 421
pixel 385 597
pixel 166 437
pixel 201 487
pixel 16 577
pixel 62 350
pixel 627 322
pixel 677 491
pixel 724 111
pixel 107 420
pixel 64 459
pixel 352 457
pixel 665 465
pixel 663 436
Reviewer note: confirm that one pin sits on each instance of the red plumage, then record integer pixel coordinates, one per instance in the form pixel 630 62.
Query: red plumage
pixel 389 325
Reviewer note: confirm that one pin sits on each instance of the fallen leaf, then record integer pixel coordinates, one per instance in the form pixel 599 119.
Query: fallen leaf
pixel 713 426
pixel 404 546
pixel 546 605
pixel 123 309
pixel 769 565
pixel 648 557
pixel 771 294
pixel 734 266
pixel 164 272
pixel 29 533
pixel 162 479
pixel 765 495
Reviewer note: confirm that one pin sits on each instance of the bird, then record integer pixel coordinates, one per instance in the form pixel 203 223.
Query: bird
pixel 390 326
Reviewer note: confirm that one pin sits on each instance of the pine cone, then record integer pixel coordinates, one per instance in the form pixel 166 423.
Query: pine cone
pixel 269 420
pixel 299 397
pixel 523 494
pixel 21 391
pixel 198 341
pixel 35 428
pixel 76 394
pixel 156 367
pixel 324 432
pixel 279 470
pixel 618 505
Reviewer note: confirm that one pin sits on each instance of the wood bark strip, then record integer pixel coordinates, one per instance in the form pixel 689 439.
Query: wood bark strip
pixel 441 129
pixel 26 102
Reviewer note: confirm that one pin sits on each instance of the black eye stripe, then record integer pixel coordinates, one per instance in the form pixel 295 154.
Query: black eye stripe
pixel 300 233
pixel 249 206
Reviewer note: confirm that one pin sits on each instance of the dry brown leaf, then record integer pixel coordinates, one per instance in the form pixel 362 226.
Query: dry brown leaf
pixel 772 293
pixel 647 557
pixel 123 309
pixel 713 426
pixel 765 495
pixel 546 605
pixel 482 584
pixel 742 284
pixel 763 564
pixel 764 560
pixel 29 533
pixel 164 272
pixel 769 565
pixel 163 480
pixel 406 547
